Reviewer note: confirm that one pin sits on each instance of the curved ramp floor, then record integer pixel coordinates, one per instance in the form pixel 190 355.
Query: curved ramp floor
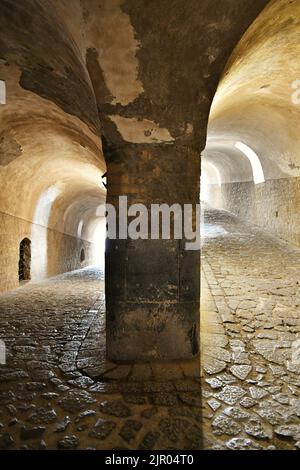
pixel 250 328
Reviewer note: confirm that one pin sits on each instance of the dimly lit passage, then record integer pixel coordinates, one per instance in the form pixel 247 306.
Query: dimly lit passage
pixel 149 214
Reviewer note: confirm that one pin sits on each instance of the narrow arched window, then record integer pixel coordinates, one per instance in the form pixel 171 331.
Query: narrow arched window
pixel 82 255
pixel 24 260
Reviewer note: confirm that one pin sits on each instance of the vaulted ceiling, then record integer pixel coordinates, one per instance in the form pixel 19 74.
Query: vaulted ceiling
pixel 257 101
pixel 123 70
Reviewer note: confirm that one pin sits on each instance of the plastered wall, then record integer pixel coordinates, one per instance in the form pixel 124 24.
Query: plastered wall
pixel 273 205
pixel 52 252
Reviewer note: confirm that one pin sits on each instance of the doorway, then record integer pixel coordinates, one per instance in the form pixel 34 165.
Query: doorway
pixel 25 260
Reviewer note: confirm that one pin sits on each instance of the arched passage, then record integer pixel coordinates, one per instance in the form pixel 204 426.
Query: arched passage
pixel 256 108
pixel 128 96
pixel 25 260
pixel 69 115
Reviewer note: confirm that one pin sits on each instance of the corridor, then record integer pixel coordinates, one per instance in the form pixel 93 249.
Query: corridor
pixel 57 390
pixel 116 119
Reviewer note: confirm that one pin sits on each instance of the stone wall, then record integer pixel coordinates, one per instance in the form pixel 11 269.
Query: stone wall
pixel 273 205
pixel 52 252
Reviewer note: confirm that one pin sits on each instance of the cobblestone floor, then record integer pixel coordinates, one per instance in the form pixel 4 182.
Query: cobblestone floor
pixel 250 331
pixel 58 391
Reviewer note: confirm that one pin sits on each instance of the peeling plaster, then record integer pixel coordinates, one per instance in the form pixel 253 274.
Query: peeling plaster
pixel 112 34
pixel 9 149
pixel 141 130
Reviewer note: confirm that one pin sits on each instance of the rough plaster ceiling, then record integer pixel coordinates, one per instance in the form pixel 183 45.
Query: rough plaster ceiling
pixel 121 68
pixel 43 148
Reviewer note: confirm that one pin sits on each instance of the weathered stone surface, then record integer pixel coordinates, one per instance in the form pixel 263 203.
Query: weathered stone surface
pixel 6 441
pixel 238 443
pixel 102 429
pixel 49 395
pixel 149 412
pixel 84 414
pixel 40 399
pixel 164 399
pixel 35 385
pixel 260 338
pixel 236 413
pixel 149 440
pixel 183 410
pixel 241 371
pixel 248 402
pixel 218 353
pixel 135 399
pixel 291 431
pixel 172 428
pixel 42 416
pixel 230 394
pixel 257 393
pixel 214 383
pixel 130 429
pixel 12 422
pixel 62 425
pixel 213 366
pixel 115 408
pixel 295 406
pixel 276 406
pixel 81 382
pixel 76 400
pixel 68 442
pixel 214 404
pixel 12 376
pixel 222 424
pixel 254 427
pixel 31 432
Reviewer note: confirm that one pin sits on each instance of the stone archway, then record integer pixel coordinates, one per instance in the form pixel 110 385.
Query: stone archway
pixel 25 260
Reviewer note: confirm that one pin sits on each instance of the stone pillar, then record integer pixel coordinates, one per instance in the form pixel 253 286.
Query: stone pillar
pixel 152 286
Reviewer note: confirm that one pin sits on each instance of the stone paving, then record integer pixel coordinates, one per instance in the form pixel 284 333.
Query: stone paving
pixel 57 390
pixel 250 337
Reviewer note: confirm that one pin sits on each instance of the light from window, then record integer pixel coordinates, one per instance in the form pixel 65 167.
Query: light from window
pixel 257 170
